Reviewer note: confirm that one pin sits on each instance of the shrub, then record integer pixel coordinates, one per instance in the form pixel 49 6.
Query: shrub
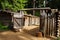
pixel 3 27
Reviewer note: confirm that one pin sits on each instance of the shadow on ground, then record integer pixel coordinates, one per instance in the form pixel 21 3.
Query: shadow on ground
pixel 32 31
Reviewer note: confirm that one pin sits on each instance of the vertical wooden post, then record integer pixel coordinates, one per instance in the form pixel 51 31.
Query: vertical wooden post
pixel 13 19
pixel 34 7
pixel 53 26
pixel 40 23
pixel 52 22
pixel 40 20
pixel 29 21
pixel 48 26
pixel 45 24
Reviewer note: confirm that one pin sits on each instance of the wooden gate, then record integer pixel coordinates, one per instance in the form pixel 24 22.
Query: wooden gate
pixel 18 23
pixel 18 20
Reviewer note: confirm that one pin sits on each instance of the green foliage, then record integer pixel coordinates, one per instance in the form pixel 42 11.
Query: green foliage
pixel 29 4
pixel 58 38
pixel 54 4
pixel 38 3
pixel 13 5
pixel 2 27
pixel 37 13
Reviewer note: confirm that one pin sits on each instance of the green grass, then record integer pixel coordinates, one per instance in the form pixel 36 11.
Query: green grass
pixel 58 38
pixel 3 27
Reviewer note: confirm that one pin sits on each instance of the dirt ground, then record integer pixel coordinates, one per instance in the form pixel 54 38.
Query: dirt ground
pixel 22 35
pixel 9 35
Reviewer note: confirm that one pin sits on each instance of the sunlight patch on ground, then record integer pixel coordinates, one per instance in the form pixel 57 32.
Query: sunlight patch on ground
pixel 6 33
pixel 23 37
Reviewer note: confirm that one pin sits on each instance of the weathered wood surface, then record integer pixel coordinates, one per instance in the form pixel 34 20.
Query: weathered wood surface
pixel 31 20
pixel 49 26
pixel 58 30
pixel 5 18
pixel 27 20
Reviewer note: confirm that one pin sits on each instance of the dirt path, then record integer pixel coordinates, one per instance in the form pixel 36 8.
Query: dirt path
pixel 9 35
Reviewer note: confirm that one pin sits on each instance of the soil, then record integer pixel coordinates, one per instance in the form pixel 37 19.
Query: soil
pixel 9 35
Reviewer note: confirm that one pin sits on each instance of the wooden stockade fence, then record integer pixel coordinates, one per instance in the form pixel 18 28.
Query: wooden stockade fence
pixel 48 22
pixel 5 18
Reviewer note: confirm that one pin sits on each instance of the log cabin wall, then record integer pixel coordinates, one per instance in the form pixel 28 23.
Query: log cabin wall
pixel 5 18
pixel 58 24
